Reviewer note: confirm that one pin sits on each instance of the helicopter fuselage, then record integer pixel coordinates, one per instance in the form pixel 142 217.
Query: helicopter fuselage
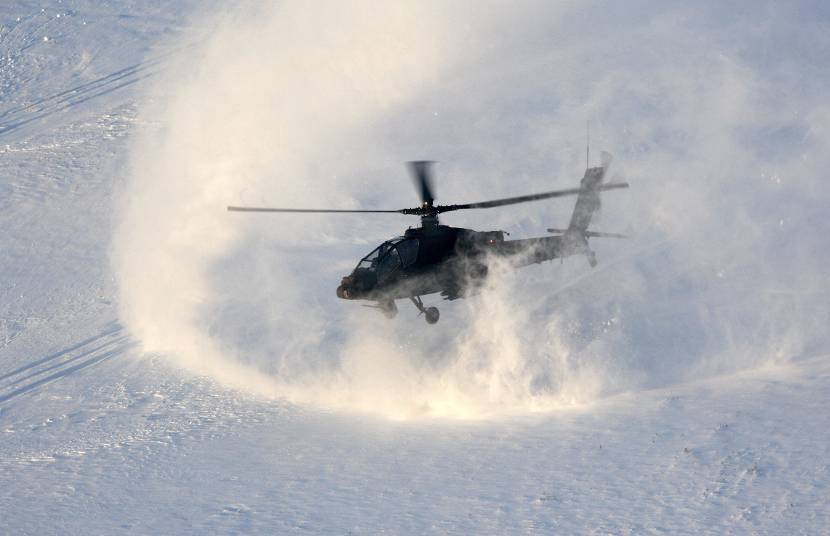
pixel 454 261
pixel 448 260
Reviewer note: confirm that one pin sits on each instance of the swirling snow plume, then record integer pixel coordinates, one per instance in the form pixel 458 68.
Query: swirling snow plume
pixel 316 105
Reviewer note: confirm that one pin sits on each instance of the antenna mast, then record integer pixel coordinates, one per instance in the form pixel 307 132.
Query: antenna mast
pixel 588 144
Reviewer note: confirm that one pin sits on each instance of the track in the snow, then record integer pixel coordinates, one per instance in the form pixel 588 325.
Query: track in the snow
pixel 14 118
pixel 111 342
pixel 22 36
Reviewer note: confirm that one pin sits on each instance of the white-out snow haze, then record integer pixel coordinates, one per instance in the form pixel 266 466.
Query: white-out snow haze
pixel 723 271
pixel 170 367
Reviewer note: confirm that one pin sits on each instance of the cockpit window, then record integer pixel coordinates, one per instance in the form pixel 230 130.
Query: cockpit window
pixel 408 250
pixel 371 260
pixel 389 263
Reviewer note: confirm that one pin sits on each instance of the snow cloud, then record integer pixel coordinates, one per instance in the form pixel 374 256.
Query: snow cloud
pixel 716 115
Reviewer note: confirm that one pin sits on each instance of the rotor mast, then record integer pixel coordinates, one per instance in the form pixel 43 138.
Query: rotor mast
pixel 422 177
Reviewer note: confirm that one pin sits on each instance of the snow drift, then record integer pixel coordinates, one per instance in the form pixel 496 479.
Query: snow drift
pixel 302 105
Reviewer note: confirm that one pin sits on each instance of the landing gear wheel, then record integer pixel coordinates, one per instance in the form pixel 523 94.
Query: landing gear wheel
pixel 430 313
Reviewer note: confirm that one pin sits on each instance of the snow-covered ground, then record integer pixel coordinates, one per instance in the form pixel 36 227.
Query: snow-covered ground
pixel 166 367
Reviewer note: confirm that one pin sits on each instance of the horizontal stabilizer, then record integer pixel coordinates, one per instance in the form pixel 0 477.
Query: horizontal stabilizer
pixel 590 234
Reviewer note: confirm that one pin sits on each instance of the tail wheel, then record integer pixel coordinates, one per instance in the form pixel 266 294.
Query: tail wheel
pixel 592 258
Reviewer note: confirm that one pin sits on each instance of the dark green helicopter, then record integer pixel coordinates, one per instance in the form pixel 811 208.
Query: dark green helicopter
pixel 437 258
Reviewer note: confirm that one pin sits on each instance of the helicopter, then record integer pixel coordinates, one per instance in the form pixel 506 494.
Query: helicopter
pixel 453 261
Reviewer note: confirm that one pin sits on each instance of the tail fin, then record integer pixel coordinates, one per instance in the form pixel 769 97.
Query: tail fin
pixel 587 203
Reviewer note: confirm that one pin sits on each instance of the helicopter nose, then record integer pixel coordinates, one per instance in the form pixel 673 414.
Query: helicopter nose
pixel 344 291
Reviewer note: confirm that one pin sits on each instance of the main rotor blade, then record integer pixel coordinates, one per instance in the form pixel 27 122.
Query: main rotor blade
pixel 426 210
pixel 525 198
pixel 422 176
pixel 308 210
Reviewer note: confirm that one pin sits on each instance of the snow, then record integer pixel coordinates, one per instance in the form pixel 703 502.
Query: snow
pixel 168 368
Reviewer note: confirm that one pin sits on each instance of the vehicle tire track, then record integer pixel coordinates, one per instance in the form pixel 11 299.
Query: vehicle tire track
pixel 51 368
pixel 67 95
pixel 18 116
pixel 10 127
pixel 111 330
pixel 21 116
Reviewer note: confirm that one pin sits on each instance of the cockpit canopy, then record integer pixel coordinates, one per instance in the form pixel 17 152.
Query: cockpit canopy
pixel 389 256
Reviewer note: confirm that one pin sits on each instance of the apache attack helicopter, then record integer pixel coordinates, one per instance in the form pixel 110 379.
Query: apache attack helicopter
pixel 454 261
